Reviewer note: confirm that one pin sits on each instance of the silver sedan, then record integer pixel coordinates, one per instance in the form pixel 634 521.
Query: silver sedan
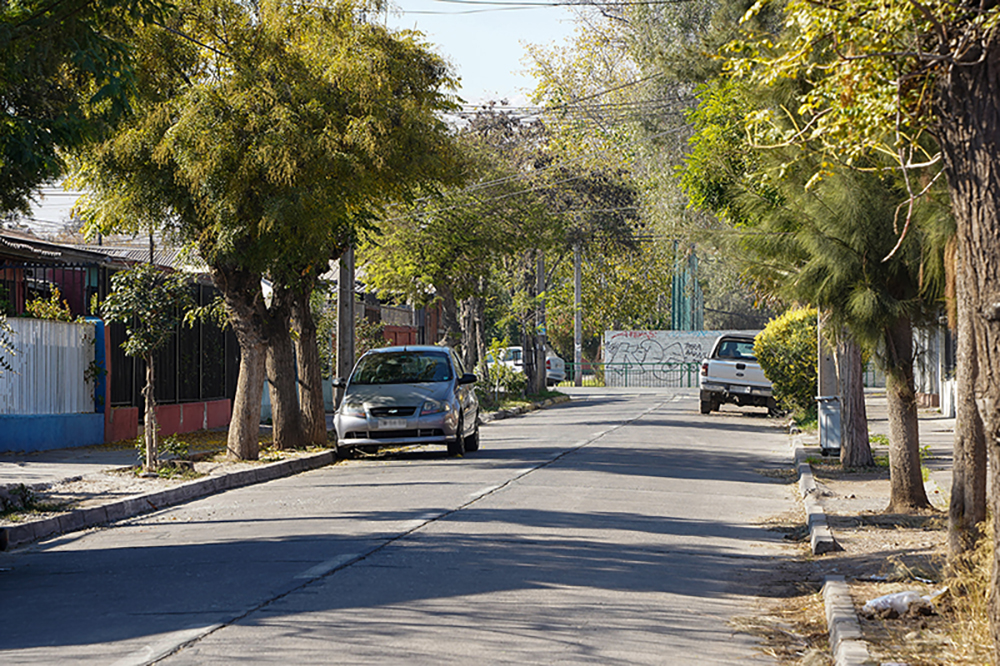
pixel 409 395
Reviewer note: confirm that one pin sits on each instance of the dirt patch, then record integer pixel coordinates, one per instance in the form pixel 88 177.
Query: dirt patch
pixel 881 554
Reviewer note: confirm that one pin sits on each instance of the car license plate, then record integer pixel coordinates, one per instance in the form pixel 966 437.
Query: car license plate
pixel 392 424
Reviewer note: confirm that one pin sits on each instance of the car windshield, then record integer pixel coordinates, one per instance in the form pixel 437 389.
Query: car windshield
pixel 742 349
pixel 402 368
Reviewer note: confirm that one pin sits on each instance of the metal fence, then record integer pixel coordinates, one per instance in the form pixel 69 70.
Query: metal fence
pixel 51 367
pixel 666 375
pixel 626 375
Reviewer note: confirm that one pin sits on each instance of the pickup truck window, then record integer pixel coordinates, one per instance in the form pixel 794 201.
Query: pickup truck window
pixel 741 349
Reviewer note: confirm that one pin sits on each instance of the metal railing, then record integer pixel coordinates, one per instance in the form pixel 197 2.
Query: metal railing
pixel 628 375
pixel 663 375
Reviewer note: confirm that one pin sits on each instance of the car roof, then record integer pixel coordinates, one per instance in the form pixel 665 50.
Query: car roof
pixel 410 348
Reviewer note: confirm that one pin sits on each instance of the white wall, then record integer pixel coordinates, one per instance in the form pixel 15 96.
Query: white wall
pixel 50 362
pixel 661 346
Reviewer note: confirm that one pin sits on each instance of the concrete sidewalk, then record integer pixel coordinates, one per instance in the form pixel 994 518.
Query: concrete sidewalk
pixel 50 467
pixel 937 436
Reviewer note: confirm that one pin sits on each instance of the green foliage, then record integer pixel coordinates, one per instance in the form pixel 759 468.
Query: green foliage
pixel 265 132
pixel 150 303
pixel 211 313
pixel 878 100
pixel 500 383
pixel 6 345
pixel 53 308
pixel 505 384
pixel 450 240
pixel 66 72
pixel 878 440
pixel 786 351
pixel 368 335
pixel 175 446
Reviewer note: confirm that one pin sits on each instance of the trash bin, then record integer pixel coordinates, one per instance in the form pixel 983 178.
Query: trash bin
pixel 829 424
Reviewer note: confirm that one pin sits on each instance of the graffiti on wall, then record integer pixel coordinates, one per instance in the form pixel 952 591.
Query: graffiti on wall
pixel 657 358
pixel 661 346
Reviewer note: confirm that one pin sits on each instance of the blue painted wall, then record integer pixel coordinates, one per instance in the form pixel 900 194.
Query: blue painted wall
pixel 41 432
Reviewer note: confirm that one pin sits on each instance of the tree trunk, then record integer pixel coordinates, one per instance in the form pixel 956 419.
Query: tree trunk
pixel 967 507
pixel 151 429
pixel 855 449
pixel 309 375
pixel 473 333
pixel 280 364
pixel 245 306
pixel 906 485
pixel 969 136
pixel 529 341
pixel 480 333
pixel 449 317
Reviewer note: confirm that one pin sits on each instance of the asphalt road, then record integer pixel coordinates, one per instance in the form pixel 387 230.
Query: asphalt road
pixel 616 529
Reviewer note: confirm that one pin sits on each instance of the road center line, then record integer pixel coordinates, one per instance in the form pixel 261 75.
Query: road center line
pixel 420 521
pixel 324 568
pixel 167 645
pixel 181 639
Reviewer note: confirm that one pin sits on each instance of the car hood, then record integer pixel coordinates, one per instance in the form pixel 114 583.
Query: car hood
pixel 377 395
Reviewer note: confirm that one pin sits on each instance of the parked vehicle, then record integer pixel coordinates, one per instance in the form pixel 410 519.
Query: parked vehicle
pixel 555 367
pixel 731 374
pixel 408 395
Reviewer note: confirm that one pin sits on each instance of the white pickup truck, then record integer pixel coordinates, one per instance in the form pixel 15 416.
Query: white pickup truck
pixel 731 374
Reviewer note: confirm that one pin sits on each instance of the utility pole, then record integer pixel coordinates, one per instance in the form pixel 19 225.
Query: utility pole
pixel 345 318
pixel 577 317
pixel 540 345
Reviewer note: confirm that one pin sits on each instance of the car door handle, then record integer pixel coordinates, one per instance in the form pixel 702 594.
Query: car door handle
pixel 741 366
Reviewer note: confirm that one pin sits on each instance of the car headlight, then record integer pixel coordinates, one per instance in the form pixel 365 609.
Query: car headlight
pixel 355 409
pixel 434 407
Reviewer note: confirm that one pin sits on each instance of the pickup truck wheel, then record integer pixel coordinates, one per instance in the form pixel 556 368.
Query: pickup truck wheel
pixel 772 407
pixel 706 406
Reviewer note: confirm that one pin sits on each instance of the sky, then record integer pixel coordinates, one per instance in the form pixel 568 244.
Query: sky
pixel 483 39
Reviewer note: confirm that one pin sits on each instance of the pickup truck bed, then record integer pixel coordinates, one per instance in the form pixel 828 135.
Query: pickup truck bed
pixel 731 374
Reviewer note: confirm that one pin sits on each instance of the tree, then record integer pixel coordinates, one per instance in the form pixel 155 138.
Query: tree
pixel 151 303
pixel 446 246
pixel 262 133
pixel 892 73
pixel 786 350
pixel 825 240
pixel 66 73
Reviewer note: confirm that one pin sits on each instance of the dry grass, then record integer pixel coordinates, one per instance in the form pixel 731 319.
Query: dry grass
pixel 968 581
pixel 792 631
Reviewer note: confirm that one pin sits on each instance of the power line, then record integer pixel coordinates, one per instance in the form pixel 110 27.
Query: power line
pixel 500 181
pixel 501 6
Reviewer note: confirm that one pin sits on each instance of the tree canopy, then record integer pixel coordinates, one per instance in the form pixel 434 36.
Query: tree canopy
pixel 66 76
pixel 264 133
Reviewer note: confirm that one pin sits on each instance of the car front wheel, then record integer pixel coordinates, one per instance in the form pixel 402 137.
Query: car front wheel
pixel 472 441
pixel 457 447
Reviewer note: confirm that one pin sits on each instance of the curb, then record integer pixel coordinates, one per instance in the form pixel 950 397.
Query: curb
pixel 502 414
pixel 820 537
pixel 849 649
pixel 80 519
pixel 846 642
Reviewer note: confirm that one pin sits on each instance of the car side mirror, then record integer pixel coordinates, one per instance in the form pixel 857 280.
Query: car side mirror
pixel 467 378
pixel 339 382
